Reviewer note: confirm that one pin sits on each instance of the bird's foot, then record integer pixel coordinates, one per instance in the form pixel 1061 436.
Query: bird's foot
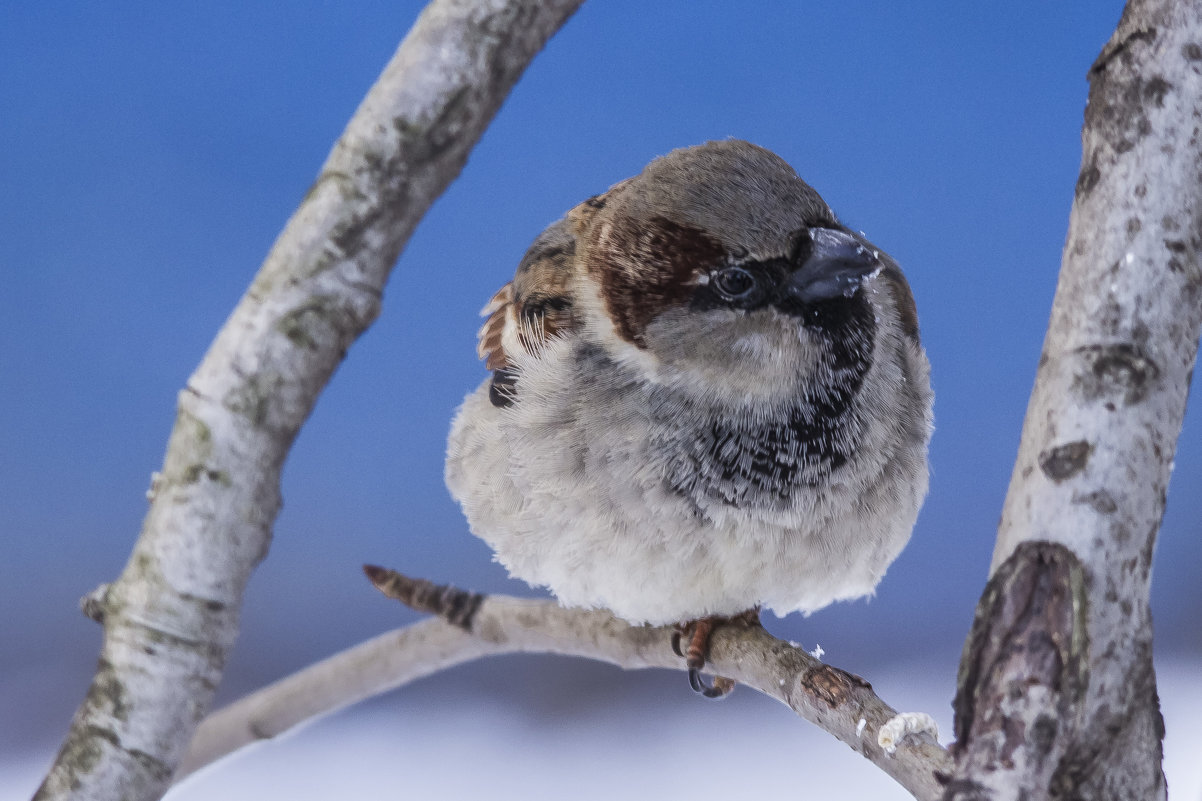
pixel 698 632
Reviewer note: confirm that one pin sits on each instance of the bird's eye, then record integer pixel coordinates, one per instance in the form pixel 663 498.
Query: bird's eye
pixel 734 283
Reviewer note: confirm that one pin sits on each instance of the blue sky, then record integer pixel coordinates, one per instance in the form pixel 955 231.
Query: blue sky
pixel 150 153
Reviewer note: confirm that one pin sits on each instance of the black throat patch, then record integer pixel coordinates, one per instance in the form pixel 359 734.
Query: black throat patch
pixel 741 460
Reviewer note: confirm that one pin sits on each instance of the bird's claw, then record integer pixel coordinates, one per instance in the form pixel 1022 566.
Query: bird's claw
pixel 721 687
pixel 676 635
pixel 698 634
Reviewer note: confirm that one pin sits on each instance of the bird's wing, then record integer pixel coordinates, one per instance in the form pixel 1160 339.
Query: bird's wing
pixel 531 309
pixel 500 313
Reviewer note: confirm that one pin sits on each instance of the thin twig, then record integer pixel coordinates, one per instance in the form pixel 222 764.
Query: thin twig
pixel 831 698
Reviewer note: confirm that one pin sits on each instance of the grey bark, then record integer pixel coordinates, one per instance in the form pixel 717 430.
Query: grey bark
pixel 172 617
pixel 1057 695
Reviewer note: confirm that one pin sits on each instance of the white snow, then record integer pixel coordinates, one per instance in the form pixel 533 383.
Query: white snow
pixel 901 726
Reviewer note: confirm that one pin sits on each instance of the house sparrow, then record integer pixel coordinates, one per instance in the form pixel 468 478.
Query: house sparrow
pixel 707 395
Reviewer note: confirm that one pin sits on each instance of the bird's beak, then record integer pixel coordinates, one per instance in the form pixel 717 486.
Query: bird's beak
pixel 835 266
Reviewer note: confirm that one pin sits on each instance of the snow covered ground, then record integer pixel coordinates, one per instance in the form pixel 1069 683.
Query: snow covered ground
pixel 644 736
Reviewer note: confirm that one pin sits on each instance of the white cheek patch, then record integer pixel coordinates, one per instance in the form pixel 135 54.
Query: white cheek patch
pixel 599 327
pixel 754 346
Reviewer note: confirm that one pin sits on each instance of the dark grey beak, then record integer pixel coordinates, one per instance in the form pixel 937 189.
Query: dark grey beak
pixel 836 266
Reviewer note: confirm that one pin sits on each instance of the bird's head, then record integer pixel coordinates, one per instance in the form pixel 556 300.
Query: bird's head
pixel 719 270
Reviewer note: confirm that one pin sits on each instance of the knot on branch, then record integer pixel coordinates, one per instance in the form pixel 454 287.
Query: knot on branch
pixel 1065 461
pixel 94 605
pixel 1122 371
pixel 1024 667
pixel 832 685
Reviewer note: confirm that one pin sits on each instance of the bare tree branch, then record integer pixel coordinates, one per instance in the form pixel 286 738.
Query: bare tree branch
pixel 172 617
pixel 831 698
pixel 1057 695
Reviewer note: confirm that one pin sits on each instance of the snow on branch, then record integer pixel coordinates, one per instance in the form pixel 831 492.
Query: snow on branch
pixel 172 617
pixel 840 703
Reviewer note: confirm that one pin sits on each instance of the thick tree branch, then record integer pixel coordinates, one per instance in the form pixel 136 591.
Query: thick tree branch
pixel 172 617
pixel 1057 696
pixel 831 698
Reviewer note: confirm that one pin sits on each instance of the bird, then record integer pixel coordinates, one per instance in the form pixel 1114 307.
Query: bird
pixel 708 396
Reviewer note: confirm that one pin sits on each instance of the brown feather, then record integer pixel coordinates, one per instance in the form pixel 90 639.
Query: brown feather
pixel 582 214
pixel 536 304
pixel 646 266
pixel 488 339
pixel 500 298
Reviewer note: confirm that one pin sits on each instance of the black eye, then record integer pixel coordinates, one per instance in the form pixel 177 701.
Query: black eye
pixel 734 283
